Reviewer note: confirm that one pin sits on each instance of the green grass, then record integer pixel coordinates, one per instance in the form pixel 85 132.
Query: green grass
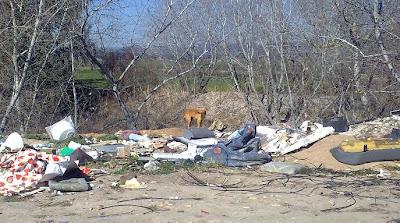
pixel 93 78
pixel 220 84
pixel 37 136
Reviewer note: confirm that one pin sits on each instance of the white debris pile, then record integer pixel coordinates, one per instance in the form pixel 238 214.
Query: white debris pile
pixel 286 140
pixel 375 129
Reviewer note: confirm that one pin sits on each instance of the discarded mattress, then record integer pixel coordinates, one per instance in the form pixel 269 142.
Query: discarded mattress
pixel 356 158
pixel 23 170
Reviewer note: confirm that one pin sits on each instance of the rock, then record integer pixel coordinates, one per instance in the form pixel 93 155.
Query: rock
pixel 123 152
pixel 152 166
pixel 159 143
pixel 177 147
pixel 70 185
pixel 282 167
pixel 217 125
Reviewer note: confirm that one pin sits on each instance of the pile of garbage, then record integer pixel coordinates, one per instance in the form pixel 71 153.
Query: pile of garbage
pixel 378 128
pixel 250 145
pixel 25 168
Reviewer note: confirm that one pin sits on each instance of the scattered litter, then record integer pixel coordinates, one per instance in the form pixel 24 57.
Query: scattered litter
pixel 124 134
pixel 34 192
pixel 383 174
pixel 73 145
pixel 217 125
pixel 123 152
pixel 198 133
pixel 266 131
pixel 66 151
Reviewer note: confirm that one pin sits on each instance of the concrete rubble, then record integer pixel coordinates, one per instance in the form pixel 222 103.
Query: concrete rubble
pixel 377 128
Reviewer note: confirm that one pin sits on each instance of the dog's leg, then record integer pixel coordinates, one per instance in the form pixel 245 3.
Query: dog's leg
pixel 199 121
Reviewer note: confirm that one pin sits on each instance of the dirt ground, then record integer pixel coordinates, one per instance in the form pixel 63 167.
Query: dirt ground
pixel 226 195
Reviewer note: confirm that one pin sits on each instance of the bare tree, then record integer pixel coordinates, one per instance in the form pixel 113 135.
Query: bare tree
pixel 171 15
pixel 30 23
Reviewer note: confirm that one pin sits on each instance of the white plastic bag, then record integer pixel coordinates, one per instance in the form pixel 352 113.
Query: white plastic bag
pixel 14 142
pixel 61 130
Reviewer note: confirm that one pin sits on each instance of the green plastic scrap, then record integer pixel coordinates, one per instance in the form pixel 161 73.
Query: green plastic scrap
pixel 66 151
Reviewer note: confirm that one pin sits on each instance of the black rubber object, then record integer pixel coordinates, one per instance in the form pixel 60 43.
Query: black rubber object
pixel 365 157
pixel 338 123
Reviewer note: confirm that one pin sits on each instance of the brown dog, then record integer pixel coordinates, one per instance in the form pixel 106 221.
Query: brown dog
pixel 194 113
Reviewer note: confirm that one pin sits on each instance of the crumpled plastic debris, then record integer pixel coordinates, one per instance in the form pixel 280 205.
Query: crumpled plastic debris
pixel 288 140
pixel 242 149
pixel 13 142
pixel 132 184
pixel 61 130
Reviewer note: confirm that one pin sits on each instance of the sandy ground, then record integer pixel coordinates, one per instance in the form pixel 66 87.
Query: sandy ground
pixel 232 195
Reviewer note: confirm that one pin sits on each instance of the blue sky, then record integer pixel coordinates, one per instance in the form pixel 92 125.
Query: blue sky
pixel 126 20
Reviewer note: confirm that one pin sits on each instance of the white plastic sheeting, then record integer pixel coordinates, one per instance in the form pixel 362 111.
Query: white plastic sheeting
pixel 284 141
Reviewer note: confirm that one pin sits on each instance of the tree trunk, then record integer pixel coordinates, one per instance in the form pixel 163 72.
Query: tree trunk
pixel 377 14
pixel 18 84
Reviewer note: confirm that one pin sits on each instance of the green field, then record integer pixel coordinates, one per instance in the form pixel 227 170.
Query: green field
pixel 93 78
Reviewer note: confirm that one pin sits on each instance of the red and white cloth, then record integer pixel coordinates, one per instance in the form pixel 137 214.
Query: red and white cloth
pixel 23 170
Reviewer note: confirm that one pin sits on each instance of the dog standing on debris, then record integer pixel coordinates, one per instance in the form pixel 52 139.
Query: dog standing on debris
pixel 191 114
